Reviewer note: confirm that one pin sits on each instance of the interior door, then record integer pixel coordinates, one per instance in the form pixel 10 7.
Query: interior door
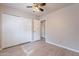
pixel 36 30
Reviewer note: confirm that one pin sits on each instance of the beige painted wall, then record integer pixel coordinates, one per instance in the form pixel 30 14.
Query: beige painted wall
pixel 62 27
pixel 0 30
pixel 14 12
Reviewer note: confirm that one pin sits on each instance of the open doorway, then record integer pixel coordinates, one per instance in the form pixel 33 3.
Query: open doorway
pixel 42 29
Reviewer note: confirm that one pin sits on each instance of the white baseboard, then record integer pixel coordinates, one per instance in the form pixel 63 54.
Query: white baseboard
pixel 63 47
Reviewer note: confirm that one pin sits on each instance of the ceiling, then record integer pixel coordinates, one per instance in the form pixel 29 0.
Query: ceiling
pixel 50 7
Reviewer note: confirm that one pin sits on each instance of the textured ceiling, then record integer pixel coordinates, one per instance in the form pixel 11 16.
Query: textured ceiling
pixel 50 7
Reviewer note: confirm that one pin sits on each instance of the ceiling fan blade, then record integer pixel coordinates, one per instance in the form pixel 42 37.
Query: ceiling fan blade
pixel 42 4
pixel 29 6
pixel 41 9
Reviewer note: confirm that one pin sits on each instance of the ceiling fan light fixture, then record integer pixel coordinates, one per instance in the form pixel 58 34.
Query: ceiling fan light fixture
pixel 36 9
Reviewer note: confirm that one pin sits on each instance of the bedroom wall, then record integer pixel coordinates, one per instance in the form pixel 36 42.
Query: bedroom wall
pixel 0 30
pixel 17 13
pixel 62 27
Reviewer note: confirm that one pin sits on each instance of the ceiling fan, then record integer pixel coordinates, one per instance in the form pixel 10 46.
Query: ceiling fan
pixel 37 7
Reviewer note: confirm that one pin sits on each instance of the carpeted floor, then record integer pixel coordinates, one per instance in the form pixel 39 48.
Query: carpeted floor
pixel 38 48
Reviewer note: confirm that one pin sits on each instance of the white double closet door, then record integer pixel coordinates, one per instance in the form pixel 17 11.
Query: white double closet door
pixel 15 30
pixel 18 30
